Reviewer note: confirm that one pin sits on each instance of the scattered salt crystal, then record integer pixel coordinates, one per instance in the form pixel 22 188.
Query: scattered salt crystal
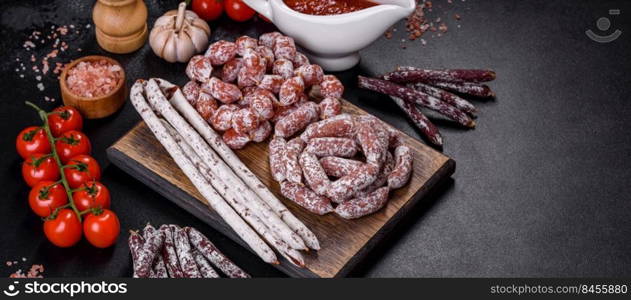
pixel 40 86
pixel 38 77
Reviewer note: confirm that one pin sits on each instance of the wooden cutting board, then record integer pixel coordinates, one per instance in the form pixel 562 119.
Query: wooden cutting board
pixel 343 242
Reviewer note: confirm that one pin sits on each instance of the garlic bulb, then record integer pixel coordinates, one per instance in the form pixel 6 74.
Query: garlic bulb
pixel 179 34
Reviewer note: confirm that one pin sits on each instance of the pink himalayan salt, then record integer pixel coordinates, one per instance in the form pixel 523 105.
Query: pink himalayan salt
pixel 93 78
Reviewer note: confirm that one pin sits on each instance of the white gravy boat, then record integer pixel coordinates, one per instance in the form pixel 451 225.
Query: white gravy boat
pixel 334 41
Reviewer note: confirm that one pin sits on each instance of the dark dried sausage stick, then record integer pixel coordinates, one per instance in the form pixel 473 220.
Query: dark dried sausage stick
pixel 218 259
pixel 426 127
pixel 413 96
pixel 183 248
pixel 204 266
pixel 446 96
pixel 146 254
pixel 169 254
pixel 411 74
pixel 135 243
pixel 159 268
pixel 468 88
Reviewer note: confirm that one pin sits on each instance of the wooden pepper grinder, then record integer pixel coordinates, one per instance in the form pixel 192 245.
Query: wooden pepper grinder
pixel 121 25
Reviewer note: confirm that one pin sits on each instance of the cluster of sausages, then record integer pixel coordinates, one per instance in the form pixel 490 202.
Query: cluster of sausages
pixel 175 252
pixel 351 162
pixel 249 88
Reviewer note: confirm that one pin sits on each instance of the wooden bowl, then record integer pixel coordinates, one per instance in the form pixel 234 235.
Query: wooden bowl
pixel 96 107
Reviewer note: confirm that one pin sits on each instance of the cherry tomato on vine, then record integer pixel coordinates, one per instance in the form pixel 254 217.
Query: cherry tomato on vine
pixel 40 167
pixel 101 229
pixel 46 196
pixel 238 11
pixel 208 9
pixel 63 119
pixel 92 195
pixel 71 144
pixel 64 230
pixel 81 169
pixel 32 140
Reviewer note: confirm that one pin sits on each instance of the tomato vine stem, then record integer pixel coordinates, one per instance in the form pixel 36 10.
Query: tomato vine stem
pixel 44 116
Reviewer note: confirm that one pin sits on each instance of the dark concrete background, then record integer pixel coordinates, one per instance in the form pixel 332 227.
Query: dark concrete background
pixel 541 186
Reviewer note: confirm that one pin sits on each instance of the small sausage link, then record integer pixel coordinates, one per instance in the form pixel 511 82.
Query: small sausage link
pixel 339 126
pixel 235 140
pixel 403 168
pixel 331 87
pixel 221 52
pixel 332 146
pixel 222 91
pixel 199 68
pixel 362 206
pixel 314 174
pixel 330 107
pixel 261 133
pixel 339 167
pixel 347 186
pixel 297 120
pixel 291 160
pixel 291 91
pixel 306 198
pixel 277 148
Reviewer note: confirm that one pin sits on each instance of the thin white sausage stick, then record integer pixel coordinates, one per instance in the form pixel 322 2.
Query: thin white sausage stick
pixel 214 200
pixel 181 104
pixel 161 105
pixel 235 201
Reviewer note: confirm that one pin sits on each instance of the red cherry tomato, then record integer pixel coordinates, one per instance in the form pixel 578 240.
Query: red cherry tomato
pixel 45 197
pixel 39 167
pixel 238 11
pixel 32 140
pixel 64 230
pixel 93 195
pixel 81 169
pixel 101 230
pixel 208 9
pixel 63 119
pixel 71 144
